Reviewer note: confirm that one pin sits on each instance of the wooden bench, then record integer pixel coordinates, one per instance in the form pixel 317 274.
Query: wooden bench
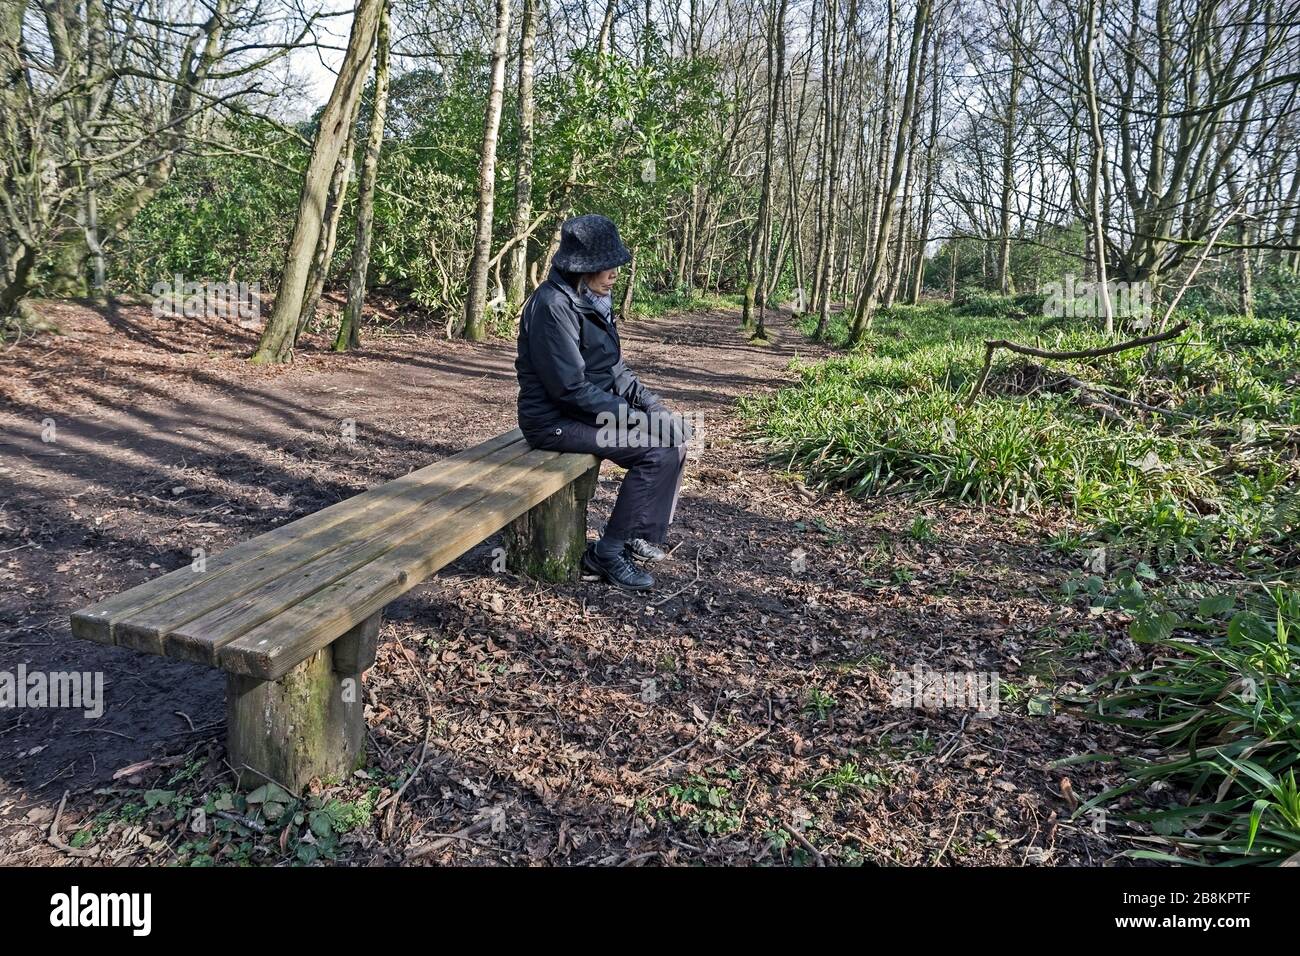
pixel 292 616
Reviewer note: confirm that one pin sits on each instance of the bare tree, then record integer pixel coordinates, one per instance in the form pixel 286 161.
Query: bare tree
pixel 349 334
pixel 757 267
pixel 277 341
pixel 1096 214
pixel 99 101
pixel 476 300
pixel 864 307
pixel 518 262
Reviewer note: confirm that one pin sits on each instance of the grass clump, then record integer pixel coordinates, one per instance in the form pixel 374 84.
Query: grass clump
pixel 1201 476
pixel 651 305
pixel 1221 699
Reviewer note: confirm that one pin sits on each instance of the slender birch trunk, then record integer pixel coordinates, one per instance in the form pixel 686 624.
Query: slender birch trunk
pixel 518 263
pixel 349 334
pixel 277 339
pixel 475 328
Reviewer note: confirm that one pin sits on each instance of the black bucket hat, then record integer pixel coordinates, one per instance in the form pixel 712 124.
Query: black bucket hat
pixel 590 244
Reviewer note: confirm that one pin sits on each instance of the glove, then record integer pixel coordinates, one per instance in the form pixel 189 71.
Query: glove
pixel 669 428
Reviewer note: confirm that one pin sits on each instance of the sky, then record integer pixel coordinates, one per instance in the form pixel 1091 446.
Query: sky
pixel 316 67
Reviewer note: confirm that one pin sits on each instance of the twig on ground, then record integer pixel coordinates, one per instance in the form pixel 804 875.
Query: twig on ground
pixel 254 825
pixel 197 730
pixel 803 842
pixel 950 745
pixel 639 858
pixel 266 777
pixel 939 856
pixel 391 802
pixel 673 594
pixel 57 775
pixel 446 839
pixel 684 747
pixel 103 730
pixel 56 841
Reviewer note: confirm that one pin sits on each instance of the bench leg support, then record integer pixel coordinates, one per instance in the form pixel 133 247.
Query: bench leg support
pixel 547 542
pixel 308 725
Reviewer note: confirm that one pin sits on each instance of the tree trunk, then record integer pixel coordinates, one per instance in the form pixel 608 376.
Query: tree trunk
pixel 324 257
pixel 277 340
pixel 518 262
pixel 349 334
pixel 952 271
pixel 476 300
pixel 1095 212
pixel 931 176
pixel 776 61
pixel 826 272
pixel 867 291
pixel 605 38
pixel 903 243
pixel 626 307
pixel 1006 282
pixel 1245 281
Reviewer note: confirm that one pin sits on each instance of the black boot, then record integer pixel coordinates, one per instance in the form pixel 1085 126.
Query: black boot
pixel 643 549
pixel 618 571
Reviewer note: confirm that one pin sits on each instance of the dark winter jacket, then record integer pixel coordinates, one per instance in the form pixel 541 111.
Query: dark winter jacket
pixel 570 363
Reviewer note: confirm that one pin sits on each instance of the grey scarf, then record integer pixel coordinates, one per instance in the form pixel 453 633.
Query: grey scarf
pixel 604 304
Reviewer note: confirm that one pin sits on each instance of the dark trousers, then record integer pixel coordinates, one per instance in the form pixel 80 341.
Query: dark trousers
pixel 648 499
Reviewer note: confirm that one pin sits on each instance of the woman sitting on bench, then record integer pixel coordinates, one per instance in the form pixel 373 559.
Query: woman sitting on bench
pixel 577 395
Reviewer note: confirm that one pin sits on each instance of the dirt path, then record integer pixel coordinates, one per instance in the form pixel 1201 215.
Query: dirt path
pixel 741 713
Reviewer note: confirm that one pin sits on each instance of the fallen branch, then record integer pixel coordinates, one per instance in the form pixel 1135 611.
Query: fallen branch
pixel 391 802
pixel 56 841
pixel 804 842
pixel 1112 399
pixel 990 347
pixel 446 839
pixel 1197 268
pixel 684 747
pixel 255 825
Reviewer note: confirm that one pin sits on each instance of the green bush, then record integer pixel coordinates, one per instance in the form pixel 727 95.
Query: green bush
pixel 219 218
pixel 977 302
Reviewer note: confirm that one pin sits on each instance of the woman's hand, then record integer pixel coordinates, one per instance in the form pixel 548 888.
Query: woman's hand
pixel 668 426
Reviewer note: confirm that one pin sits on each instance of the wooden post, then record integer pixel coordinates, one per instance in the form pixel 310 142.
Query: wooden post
pixel 547 542
pixel 354 652
pixel 307 725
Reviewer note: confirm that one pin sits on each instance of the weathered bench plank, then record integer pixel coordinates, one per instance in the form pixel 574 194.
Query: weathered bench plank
pixel 194 624
pixel 202 639
pixel 259 589
pixel 270 650
pixel 98 621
